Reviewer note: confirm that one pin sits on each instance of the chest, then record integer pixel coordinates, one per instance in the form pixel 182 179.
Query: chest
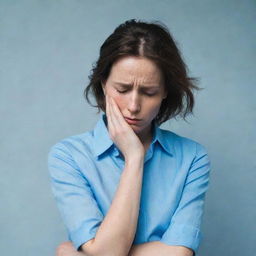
pixel 163 182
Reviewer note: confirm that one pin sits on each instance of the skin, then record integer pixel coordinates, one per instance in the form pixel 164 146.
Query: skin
pixel 121 132
pixel 140 98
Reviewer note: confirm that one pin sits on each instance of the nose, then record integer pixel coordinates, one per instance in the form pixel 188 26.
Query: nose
pixel 134 104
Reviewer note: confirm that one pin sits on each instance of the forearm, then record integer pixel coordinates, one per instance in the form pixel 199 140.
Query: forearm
pixel 116 233
pixel 156 248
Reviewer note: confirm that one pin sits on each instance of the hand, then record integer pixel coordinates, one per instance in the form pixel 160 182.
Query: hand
pixel 121 133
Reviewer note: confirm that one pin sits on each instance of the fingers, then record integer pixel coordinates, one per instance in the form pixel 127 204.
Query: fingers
pixel 117 116
pixel 119 130
pixel 108 112
pixel 116 122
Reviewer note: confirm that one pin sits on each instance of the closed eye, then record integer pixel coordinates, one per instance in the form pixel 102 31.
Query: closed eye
pixel 122 91
pixel 148 94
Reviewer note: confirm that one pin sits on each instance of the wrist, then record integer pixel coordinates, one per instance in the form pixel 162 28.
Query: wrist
pixel 135 160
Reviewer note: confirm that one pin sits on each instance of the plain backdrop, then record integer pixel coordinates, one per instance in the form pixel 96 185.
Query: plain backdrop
pixel 47 49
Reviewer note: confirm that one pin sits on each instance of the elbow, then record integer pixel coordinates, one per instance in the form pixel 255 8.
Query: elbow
pixel 184 251
pixel 90 248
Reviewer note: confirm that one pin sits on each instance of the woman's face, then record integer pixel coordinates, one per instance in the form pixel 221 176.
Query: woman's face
pixel 136 84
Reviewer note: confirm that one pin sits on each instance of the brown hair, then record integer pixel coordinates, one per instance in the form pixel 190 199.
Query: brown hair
pixel 153 41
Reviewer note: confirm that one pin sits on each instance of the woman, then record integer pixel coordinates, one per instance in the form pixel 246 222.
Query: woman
pixel 128 187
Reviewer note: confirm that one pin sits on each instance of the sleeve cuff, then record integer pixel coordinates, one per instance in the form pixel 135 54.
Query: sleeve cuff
pixel 184 235
pixel 82 235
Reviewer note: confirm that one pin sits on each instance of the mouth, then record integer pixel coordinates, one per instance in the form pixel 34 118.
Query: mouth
pixel 132 121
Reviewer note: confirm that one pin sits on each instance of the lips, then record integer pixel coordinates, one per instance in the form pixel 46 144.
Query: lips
pixel 132 121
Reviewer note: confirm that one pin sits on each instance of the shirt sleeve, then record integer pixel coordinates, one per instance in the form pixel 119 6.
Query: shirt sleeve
pixel 75 200
pixel 184 228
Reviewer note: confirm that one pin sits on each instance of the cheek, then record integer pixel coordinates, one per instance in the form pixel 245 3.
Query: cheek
pixel 120 101
pixel 153 109
pixel 155 106
pixel 113 94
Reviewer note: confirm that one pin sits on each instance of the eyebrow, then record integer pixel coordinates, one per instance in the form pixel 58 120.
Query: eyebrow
pixel 142 86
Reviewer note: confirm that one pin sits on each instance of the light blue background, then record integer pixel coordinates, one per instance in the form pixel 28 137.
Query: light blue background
pixel 46 53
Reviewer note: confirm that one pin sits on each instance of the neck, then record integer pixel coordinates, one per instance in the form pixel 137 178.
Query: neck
pixel 146 136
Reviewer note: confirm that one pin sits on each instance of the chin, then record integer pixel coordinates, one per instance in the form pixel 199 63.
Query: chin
pixel 136 129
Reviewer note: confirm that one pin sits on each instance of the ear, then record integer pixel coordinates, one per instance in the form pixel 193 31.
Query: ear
pixel 103 87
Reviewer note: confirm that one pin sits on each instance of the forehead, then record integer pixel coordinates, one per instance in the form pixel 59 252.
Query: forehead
pixel 132 68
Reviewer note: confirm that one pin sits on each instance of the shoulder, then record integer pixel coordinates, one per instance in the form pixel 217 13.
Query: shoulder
pixel 73 146
pixel 181 144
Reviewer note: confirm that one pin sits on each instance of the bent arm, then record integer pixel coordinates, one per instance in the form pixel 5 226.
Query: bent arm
pixel 158 248
pixel 116 232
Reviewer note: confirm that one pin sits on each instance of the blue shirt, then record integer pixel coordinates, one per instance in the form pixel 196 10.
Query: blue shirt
pixel 85 170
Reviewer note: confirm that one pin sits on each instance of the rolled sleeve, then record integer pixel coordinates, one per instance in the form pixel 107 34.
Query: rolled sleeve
pixel 75 200
pixel 184 228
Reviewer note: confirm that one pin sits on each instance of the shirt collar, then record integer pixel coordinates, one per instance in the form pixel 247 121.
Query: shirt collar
pixel 102 142
pixel 158 136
